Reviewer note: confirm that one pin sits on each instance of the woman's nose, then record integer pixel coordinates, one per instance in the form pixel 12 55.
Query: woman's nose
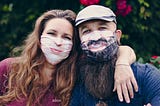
pixel 58 41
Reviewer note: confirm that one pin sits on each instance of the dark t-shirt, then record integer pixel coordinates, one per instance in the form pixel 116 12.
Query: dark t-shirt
pixel 148 79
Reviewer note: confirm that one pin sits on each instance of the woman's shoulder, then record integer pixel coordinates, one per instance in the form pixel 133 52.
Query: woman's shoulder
pixel 4 64
pixel 4 70
pixel 7 60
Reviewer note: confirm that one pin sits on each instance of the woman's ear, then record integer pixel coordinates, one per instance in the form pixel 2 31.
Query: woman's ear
pixel 118 34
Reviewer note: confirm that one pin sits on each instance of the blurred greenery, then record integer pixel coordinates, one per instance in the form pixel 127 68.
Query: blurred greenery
pixel 141 27
pixel 17 18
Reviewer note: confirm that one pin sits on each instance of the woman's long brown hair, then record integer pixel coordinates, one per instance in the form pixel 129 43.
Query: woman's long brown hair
pixel 25 79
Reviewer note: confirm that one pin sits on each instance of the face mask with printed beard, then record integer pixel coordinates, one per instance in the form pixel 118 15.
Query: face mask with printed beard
pixel 99 46
pixel 98 77
pixel 53 53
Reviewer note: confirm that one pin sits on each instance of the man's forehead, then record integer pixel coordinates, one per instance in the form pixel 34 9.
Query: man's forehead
pixel 91 22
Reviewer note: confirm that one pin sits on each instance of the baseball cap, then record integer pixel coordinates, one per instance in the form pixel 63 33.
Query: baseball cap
pixel 93 12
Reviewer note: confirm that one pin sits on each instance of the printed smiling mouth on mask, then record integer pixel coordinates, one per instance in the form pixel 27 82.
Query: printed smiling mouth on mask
pixel 97 43
pixel 53 53
pixel 106 53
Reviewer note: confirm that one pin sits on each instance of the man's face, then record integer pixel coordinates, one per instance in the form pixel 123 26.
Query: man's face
pixel 95 34
pixel 88 31
pixel 96 25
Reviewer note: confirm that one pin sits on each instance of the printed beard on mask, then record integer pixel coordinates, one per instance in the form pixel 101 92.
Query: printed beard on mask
pixel 98 77
pixel 106 52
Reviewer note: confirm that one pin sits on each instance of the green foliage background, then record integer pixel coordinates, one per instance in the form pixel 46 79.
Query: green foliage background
pixel 17 18
pixel 141 28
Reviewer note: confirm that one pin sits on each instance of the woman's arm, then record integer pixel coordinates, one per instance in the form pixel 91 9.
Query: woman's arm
pixel 126 55
pixel 124 77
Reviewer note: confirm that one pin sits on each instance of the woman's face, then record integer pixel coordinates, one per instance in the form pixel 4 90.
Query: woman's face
pixel 59 28
pixel 56 40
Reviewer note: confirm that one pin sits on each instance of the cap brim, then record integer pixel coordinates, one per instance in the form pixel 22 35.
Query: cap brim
pixel 80 21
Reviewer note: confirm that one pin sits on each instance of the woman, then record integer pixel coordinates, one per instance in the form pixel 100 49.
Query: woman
pixel 35 78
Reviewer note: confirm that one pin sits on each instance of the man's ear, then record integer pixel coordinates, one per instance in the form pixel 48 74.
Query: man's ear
pixel 118 34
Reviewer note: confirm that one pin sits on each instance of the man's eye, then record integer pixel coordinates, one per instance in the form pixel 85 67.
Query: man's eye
pixel 86 32
pixel 102 28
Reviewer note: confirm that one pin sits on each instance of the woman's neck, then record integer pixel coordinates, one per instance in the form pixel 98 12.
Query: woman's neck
pixel 47 72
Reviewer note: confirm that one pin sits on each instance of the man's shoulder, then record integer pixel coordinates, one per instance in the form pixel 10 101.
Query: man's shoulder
pixel 148 79
pixel 139 66
pixel 143 71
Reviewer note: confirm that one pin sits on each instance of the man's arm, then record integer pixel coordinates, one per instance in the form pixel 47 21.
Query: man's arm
pixel 124 77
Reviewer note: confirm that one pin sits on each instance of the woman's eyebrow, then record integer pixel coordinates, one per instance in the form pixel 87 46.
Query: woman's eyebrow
pixel 53 30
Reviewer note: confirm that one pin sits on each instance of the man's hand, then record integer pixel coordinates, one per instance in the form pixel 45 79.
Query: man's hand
pixel 124 79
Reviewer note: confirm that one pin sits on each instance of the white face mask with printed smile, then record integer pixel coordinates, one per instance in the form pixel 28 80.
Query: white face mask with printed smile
pixel 53 53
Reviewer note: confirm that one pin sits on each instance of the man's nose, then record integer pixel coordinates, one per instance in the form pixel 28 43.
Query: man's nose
pixel 95 36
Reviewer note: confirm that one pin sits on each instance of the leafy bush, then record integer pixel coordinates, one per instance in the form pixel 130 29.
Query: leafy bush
pixel 154 60
pixel 140 26
pixel 17 18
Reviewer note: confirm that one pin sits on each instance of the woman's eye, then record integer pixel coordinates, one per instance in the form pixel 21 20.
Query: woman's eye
pixel 51 33
pixel 67 37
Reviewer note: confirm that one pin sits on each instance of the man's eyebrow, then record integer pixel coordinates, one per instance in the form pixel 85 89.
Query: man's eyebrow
pixel 103 23
pixel 83 27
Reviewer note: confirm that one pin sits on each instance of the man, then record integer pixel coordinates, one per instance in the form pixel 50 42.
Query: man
pixel 100 40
